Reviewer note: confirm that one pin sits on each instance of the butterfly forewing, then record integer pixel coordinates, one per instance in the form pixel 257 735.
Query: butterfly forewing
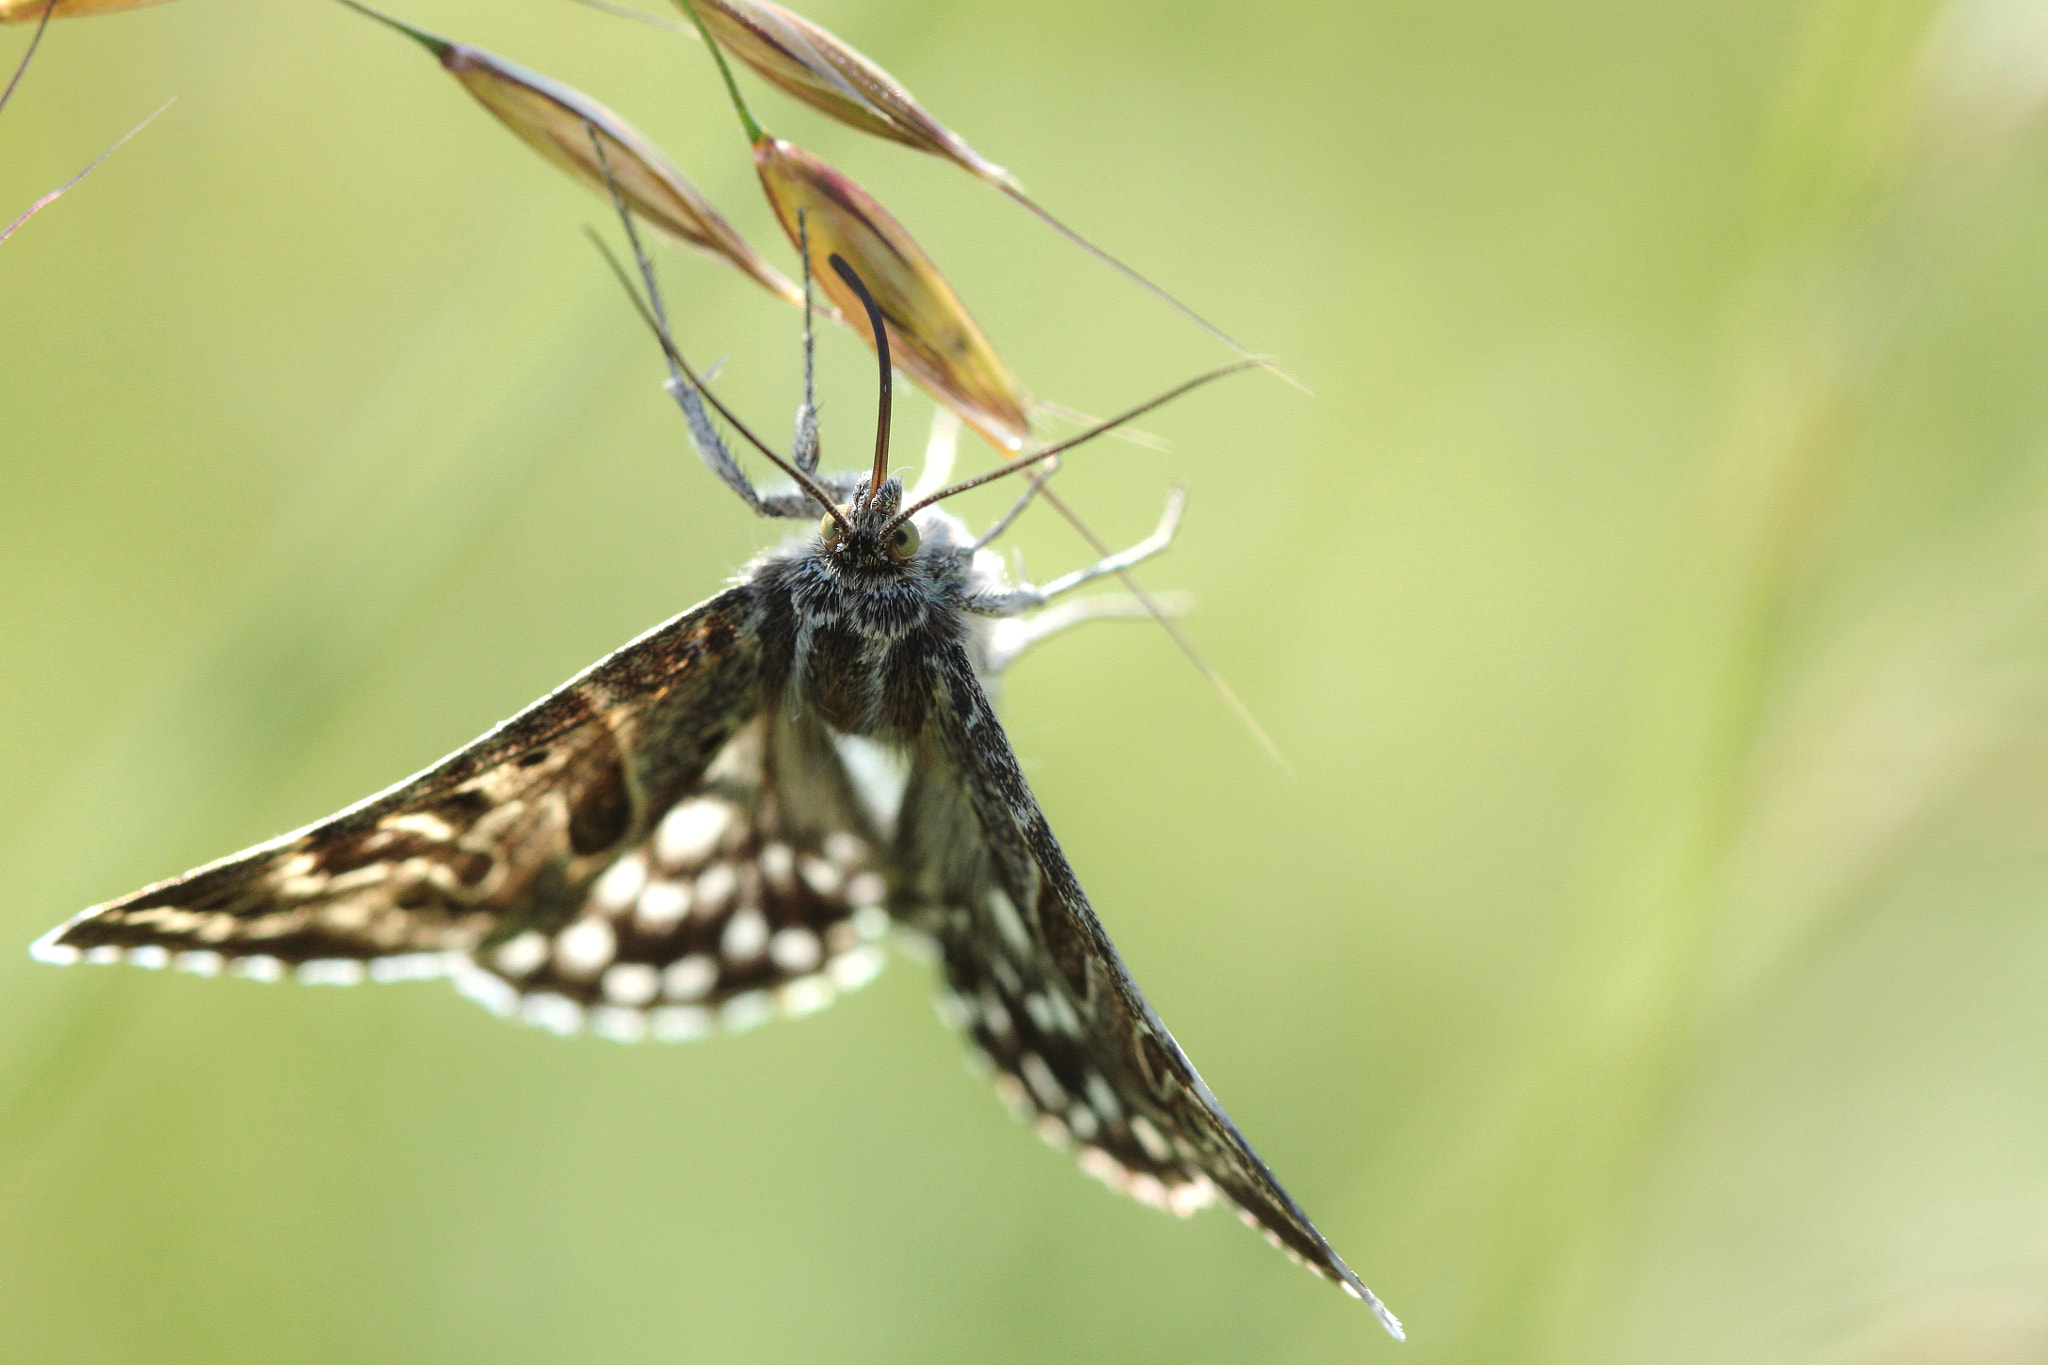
pixel 1074 1047
pixel 502 837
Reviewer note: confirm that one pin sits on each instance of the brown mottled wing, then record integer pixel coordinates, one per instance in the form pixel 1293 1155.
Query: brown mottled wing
pixel 1074 1046
pixel 498 839
pixel 756 893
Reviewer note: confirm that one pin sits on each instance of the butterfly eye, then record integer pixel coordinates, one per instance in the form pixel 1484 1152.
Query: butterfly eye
pixel 828 527
pixel 903 542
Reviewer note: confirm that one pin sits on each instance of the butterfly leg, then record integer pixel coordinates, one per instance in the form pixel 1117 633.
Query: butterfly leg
pixel 1030 596
pixel 1009 639
pixel 804 452
pixel 791 504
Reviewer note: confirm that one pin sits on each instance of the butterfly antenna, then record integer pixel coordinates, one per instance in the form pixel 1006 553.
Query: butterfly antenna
pixel 881 332
pixel 1046 453
pixel 652 314
pixel 49 8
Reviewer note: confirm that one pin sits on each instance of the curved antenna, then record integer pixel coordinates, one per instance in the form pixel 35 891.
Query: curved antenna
pixel 1039 456
pixel 881 331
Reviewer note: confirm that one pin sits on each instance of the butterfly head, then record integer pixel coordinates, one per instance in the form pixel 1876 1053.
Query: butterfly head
pixel 865 536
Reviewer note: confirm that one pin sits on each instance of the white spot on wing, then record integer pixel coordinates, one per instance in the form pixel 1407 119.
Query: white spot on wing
pixel 691 830
pixel 556 1013
pixel 1146 1189
pixel 261 967
pixel 585 948
pixel 1104 1167
pixel 795 949
pixel 778 865
pixel 631 983
pixel 1063 1016
pixel 689 978
pixel 679 1023
pixel 494 993
pixel 746 1010
pixel 845 850
pixel 199 962
pixel 820 876
pixel 880 773
pixel 805 995
pixel 1103 1098
pixel 619 1025
pixel 1186 1199
pixel 867 891
pixel 419 822
pixel 715 888
pixel 1051 1094
pixel 662 906
pixel 409 967
pixel 521 955
pixel 1149 1138
pixel 621 883
pixel 330 971
pixel 746 934
pixel 1008 920
pixel 1082 1120
pixel 851 971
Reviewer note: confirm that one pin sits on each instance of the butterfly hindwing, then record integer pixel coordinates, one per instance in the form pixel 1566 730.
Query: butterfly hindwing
pixel 758 892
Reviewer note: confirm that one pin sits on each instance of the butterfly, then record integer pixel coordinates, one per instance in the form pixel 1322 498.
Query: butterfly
pixel 722 821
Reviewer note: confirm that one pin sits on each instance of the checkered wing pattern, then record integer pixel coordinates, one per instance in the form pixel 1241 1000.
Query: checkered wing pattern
pixel 1070 1041
pixel 758 893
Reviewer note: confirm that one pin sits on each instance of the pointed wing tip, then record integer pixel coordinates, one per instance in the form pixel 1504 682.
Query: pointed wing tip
pixel 52 949
pixel 1353 1286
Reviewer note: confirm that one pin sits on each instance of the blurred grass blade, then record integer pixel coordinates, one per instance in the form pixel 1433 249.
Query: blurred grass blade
pixel 33 209
pixel 22 11
pixel 937 343
pixel 806 61
pixel 555 120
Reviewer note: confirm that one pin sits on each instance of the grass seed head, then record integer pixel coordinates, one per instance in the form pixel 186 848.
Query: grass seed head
pixel 796 55
pixel 557 121
pixel 934 339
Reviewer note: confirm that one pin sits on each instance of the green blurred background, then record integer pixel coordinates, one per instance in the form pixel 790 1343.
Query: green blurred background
pixel 1646 962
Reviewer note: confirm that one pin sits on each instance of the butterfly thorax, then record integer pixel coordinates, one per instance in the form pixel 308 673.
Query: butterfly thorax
pixel 865 627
